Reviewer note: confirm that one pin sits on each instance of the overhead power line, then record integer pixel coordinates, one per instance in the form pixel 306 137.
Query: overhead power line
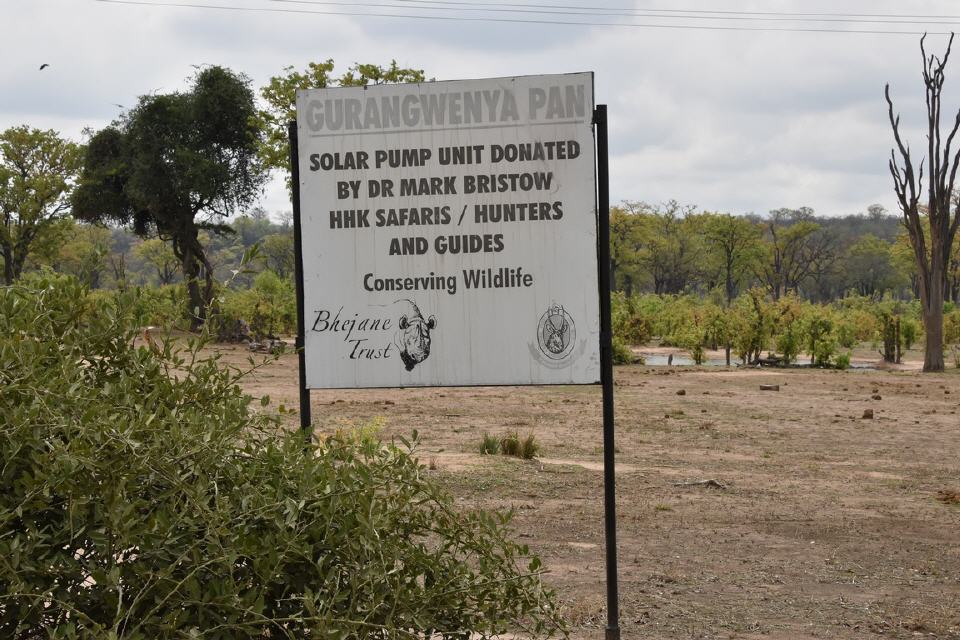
pixel 553 9
pixel 462 18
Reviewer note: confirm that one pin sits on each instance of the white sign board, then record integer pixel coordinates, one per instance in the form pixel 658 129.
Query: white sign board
pixel 449 233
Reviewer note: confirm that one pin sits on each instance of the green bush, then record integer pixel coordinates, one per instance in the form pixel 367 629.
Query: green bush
pixel 489 445
pixel 269 306
pixel 951 327
pixel 139 504
pixel 622 354
pixel 630 325
pixel 842 361
pixel 511 444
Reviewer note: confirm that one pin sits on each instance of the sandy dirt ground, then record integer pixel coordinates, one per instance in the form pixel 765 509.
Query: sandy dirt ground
pixel 828 524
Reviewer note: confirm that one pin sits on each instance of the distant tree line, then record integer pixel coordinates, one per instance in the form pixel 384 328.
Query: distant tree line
pixel 675 249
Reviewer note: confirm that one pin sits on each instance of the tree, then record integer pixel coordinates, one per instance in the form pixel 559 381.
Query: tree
pixel 734 240
pixel 84 253
pixel 869 267
pixel 669 244
pixel 280 94
pixel 795 245
pixel 277 252
pixel 932 254
pixel 158 254
pixel 172 158
pixel 626 242
pixel 37 173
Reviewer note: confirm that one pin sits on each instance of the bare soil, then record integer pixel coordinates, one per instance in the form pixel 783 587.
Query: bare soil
pixel 829 525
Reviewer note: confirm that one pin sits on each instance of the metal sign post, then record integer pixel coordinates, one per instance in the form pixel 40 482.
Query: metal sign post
pixel 606 371
pixel 305 418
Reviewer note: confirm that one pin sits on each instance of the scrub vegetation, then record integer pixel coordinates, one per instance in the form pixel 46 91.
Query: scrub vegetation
pixel 146 495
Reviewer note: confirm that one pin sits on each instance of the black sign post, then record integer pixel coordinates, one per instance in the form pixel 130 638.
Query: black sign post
pixel 306 423
pixel 606 371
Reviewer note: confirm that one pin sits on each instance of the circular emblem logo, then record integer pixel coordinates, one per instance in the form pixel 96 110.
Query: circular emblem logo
pixel 556 333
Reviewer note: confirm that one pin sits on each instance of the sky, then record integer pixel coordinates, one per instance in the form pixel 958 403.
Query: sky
pixel 742 119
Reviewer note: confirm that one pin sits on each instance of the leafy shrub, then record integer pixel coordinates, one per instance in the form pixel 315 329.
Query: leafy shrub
pixel 363 433
pixel 269 306
pixel 629 324
pixel 951 327
pixel 489 445
pixel 511 444
pixel 622 354
pixel 842 361
pixel 788 344
pixel 910 330
pixel 141 504
pixel 820 340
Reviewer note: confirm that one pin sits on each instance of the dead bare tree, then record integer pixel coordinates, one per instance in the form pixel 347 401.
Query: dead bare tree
pixel 942 219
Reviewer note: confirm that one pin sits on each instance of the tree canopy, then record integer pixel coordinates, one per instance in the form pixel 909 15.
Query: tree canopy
pixel 280 95
pixel 175 157
pixel 37 173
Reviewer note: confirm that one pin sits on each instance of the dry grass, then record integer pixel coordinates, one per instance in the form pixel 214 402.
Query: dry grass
pixel 948 496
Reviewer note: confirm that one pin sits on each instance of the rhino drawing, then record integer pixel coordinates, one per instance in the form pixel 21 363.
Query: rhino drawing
pixel 413 337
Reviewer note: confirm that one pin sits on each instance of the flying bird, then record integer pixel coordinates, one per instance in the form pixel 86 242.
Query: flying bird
pixel 44 66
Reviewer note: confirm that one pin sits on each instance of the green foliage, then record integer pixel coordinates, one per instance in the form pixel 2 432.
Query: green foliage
pixel 145 497
pixel 280 95
pixel 910 331
pixel 951 327
pixel 628 320
pixel 37 172
pixel 734 249
pixel 164 306
pixel 269 306
pixel 788 344
pixel 842 361
pixel 489 445
pixel 511 444
pixel 171 158
pixel 159 256
pixel 753 324
pixel 870 266
pixel 623 354
pixel 818 331
pixel 365 433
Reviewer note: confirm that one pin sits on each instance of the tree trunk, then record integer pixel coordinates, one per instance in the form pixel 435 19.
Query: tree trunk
pixel 933 326
pixel 8 276
pixel 931 298
pixel 191 273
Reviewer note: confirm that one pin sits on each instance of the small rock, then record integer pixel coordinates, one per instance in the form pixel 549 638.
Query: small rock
pixel 877 396
pixel 769 387
pixel 682 392
pixel 868 414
